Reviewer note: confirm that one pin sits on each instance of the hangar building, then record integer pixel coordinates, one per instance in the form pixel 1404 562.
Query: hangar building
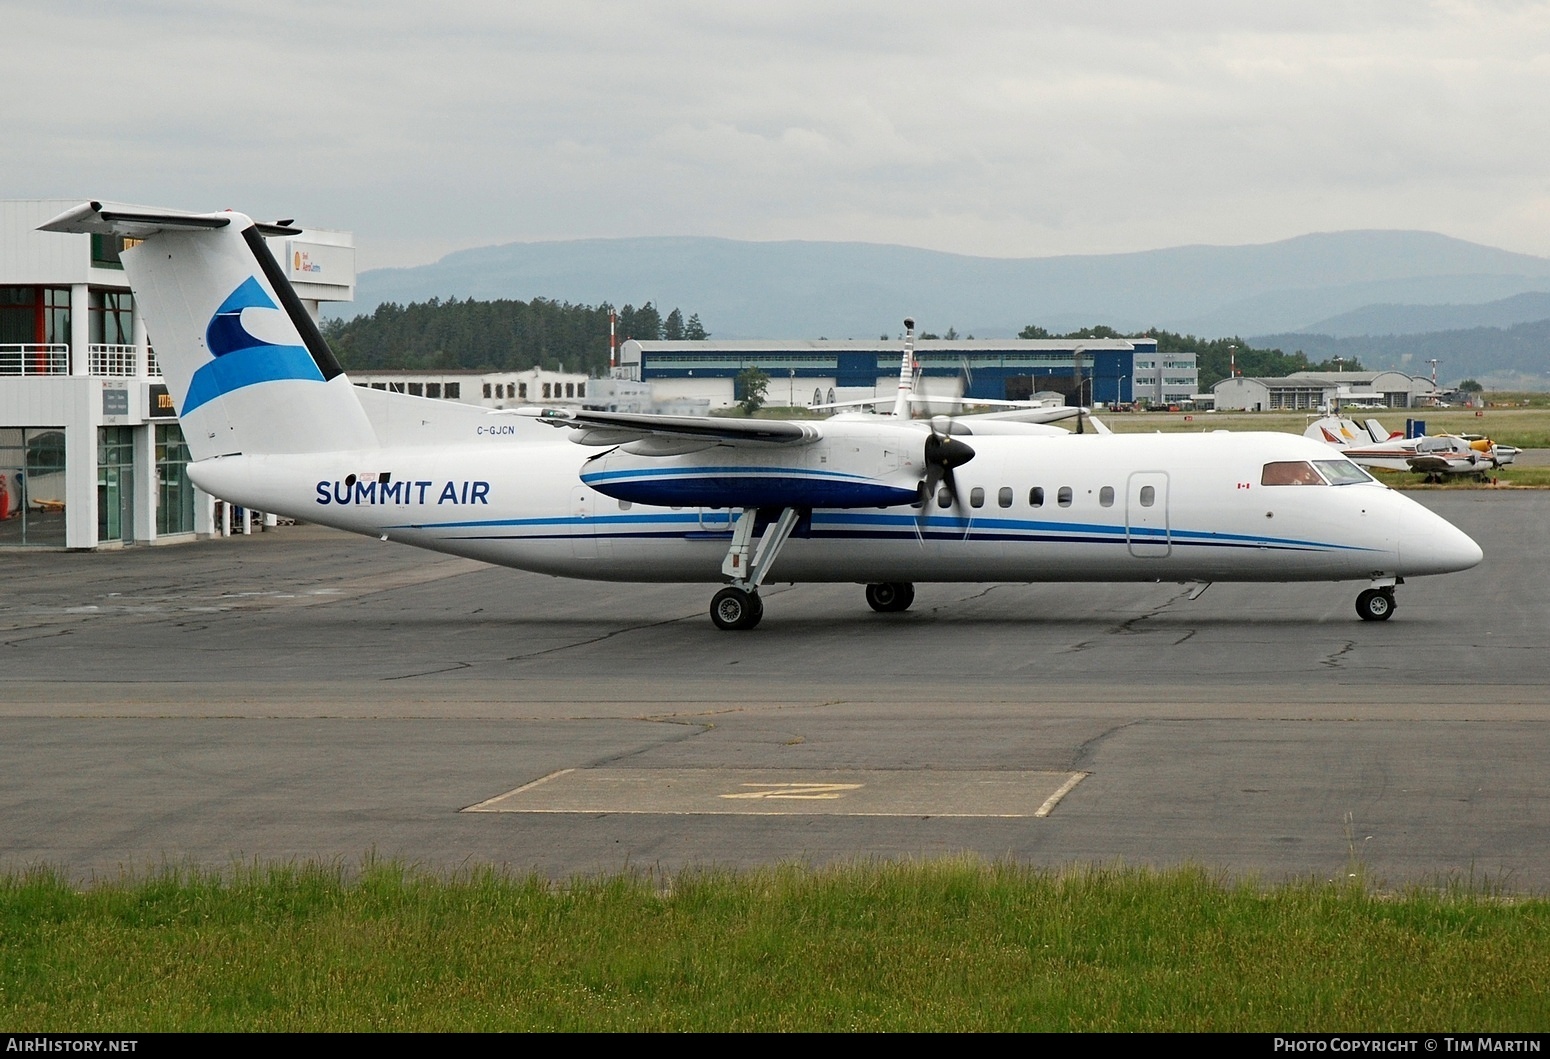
pixel 1111 370
pixel 1312 390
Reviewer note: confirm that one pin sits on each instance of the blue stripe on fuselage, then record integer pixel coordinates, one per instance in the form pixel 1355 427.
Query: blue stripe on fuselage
pixel 858 526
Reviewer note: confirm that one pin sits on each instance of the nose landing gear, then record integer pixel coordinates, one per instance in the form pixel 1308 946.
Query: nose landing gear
pixel 1376 604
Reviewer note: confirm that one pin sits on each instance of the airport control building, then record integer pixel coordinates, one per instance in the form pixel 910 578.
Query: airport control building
pixel 91 453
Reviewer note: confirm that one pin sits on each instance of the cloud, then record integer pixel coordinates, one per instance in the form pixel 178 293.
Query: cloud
pixel 983 127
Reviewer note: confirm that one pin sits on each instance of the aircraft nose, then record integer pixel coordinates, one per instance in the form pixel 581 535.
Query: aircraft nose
pixel 1430 544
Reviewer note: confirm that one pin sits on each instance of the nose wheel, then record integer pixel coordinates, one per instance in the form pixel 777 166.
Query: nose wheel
pixel 1376 604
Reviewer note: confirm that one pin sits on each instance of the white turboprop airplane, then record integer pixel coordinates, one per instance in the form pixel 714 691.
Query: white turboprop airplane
pixel 273 423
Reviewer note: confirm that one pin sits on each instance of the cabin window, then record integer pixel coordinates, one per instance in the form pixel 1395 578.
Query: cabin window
pixel 433 389
pixel 453 391
pixel 417 389
pixel 487 389
pixel 944 498
pixel 1290 472
pixel 1036 496
pixel 625 505
pixel 976 497
pixel 1106 496
pixel 1004 497
pixel 1148 496
pixel 1063 498
pixel 1342 472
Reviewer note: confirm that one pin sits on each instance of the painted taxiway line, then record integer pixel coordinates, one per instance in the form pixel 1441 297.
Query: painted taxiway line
pixel 790 792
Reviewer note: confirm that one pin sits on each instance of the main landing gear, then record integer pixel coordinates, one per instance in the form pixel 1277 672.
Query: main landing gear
pixel 1376 604
pixel 890 597
pixel 748 563
pixel 735 608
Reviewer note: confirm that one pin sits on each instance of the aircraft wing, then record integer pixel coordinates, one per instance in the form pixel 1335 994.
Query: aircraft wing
pixel 1438 463
pixel 618 428
pixel 1022 413
pixel 1011 411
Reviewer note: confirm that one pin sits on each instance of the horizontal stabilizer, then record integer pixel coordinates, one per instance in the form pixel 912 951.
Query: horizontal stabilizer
pixel 138 222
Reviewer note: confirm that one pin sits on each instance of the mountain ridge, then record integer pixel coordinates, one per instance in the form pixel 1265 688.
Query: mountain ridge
pixel 1321 281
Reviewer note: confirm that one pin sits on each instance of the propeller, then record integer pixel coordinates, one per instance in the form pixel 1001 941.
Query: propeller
pixel 943 453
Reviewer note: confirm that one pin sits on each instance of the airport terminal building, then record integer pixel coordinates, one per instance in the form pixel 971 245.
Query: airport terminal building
pixel 1085 371
pixel 91 453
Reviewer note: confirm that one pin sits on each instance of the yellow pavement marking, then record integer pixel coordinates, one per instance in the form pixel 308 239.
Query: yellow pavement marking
pixel 775 792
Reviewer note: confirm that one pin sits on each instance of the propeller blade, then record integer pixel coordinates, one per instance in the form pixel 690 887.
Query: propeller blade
pixel 958 510
pixel 943 453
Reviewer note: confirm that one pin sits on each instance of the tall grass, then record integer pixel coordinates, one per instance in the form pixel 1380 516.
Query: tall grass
pixel 954 945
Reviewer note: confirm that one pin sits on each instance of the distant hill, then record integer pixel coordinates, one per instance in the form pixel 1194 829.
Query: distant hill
pixel 1510 358
pixel 1419 319
pixel 860 290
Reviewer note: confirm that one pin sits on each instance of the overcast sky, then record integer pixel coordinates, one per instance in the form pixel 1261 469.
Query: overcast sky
pixel 1008 129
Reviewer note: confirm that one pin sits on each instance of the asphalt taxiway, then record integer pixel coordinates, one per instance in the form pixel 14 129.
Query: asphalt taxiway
pixel 307 695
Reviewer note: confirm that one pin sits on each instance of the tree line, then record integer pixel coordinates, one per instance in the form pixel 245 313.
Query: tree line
pixel 512 335
pixel 500 335
pixel 1214 357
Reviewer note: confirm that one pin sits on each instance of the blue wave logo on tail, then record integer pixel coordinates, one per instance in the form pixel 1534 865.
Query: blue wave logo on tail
pixel 240 358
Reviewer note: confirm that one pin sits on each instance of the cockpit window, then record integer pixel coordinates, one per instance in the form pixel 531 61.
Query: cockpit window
pixel 1290 472
pixel 1343 472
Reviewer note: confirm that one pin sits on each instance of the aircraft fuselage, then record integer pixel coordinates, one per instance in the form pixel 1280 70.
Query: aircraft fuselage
pixel 1073 508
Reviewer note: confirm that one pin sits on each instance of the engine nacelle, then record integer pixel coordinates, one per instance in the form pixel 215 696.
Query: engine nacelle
pixel 864 469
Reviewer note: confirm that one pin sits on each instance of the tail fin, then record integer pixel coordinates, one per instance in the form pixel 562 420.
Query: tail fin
pixel 246 366
pixel 1376 432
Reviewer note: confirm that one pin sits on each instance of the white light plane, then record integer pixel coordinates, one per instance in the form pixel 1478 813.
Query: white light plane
pixel 273 423
pixel 1437 456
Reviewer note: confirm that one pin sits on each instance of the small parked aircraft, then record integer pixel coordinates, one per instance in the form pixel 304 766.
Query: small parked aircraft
pixel 1436 456
pixel 887 501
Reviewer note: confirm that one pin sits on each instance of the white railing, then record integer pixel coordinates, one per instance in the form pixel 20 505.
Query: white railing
pixel 53 358
pixel 114 361
pixel 34 358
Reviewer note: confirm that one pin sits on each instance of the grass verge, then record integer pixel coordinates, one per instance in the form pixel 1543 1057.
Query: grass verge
pixel 951 945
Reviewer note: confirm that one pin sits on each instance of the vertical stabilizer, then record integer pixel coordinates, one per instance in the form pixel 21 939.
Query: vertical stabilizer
pixel 245 364
pixel 1376 432
pixel 903 404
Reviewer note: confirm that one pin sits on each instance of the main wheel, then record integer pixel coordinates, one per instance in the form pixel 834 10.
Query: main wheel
pixel 732 608
pixel 1375 604
pixel 887 597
